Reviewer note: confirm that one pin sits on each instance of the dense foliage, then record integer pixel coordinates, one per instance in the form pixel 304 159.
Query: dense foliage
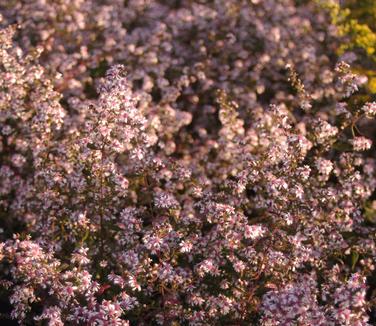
pixel 356 23
pixel 184 163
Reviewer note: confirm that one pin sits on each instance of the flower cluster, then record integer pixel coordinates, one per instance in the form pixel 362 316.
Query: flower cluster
pixel 183 163
pixel 178 53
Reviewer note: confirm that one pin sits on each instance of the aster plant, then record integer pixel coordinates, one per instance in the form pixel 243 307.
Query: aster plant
pixel 183 163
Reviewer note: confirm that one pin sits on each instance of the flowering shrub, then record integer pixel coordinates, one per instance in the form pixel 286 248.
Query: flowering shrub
pixel 178 53
pixel 183 163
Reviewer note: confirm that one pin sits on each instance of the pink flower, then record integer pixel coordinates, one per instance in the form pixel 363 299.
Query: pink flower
pixel 361 143
pixel 370 109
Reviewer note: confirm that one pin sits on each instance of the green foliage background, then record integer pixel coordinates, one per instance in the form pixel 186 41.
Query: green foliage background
pixel 356 22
